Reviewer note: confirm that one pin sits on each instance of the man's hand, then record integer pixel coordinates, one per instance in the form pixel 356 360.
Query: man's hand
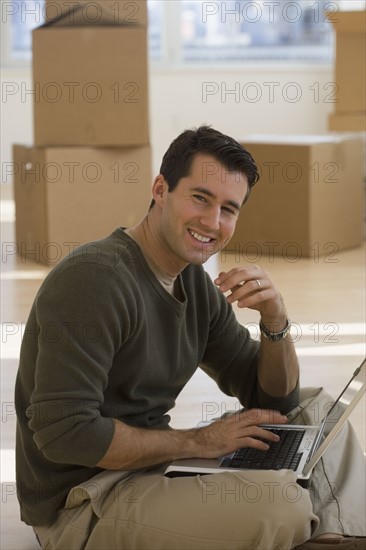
pixel 139 447
pixel 252 287
pixel 232 432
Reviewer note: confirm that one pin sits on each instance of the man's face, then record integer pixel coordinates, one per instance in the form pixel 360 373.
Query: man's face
pixel 199 216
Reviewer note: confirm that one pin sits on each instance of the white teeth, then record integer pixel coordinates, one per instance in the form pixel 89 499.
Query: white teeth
pixel 199 237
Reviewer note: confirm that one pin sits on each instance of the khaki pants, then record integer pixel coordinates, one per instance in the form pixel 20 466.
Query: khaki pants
pixel 250 510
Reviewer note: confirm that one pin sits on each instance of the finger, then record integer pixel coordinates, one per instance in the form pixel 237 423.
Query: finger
pixel 254 443
pixel 223 276
pixel 233 277
pixel 242 284
pixel 266 434
pixel 254 300
pixel 259 432
pixel 246 290
pixel 263 442
pixel 248 271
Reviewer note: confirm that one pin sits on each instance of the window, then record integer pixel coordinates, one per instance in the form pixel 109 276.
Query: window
pixel 190 32
pixel 18 19
pixel 155 15
pixel 256 30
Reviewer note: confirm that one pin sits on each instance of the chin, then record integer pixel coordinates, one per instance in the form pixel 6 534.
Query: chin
pixel 200 260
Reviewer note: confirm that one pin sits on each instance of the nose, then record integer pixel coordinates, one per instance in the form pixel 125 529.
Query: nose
pixel 211 218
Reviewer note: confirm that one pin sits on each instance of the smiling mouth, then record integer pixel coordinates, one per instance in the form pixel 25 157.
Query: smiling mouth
pixel 200 238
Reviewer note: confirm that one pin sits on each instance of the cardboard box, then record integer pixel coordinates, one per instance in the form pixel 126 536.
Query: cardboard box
pixel 308 201
pixel 90 84
pixel 68 196
pixel 123 11
pixel 347 122
pixel 350 62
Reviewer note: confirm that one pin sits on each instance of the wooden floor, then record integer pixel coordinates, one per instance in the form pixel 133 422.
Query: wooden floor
pixel 325 298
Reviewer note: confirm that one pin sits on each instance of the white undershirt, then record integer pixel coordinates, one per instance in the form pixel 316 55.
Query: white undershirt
pixel 165 280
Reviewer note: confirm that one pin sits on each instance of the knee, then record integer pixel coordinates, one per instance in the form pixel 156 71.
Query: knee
pixel 293 511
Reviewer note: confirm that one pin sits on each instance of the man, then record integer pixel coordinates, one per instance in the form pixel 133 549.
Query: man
pixel 112 339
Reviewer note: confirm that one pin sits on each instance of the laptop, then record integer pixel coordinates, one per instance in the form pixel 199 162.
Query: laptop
pixel 299 448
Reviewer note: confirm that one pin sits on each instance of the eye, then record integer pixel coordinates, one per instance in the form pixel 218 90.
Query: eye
pixel 200 198
pixel 228 210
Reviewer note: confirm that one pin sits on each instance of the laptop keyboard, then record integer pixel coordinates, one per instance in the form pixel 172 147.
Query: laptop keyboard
pixel 281 454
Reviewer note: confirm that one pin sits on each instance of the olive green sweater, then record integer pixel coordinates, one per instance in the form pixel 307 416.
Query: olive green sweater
pixel 104 340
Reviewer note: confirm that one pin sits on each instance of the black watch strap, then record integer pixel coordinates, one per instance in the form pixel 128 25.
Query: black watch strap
pixel 275 336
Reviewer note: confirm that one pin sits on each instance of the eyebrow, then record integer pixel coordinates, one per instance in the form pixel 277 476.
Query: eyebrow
pixel 205 191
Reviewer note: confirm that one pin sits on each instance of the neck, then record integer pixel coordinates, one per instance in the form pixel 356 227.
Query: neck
pixel 147 237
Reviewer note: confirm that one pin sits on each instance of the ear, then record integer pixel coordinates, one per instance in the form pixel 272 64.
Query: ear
pixel 159 189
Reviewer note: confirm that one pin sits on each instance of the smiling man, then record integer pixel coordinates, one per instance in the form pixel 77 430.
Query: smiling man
pixel 93 436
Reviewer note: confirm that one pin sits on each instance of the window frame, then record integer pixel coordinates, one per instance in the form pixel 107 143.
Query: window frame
pixel 171 51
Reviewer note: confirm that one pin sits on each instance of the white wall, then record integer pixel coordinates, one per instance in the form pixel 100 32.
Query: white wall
pixel 263 102
pixel 265 99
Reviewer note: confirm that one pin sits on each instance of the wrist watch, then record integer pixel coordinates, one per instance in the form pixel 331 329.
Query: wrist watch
pixel 275 336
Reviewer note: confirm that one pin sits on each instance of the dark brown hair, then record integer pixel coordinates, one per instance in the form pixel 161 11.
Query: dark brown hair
pixel 177 161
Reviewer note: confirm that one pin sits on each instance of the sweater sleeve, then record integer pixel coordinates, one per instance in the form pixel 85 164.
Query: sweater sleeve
pixel 231 355
pixel 79 315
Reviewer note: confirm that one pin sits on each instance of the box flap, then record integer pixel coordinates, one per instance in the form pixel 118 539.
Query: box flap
pixel 124 11
pixel 348 21
pixel 76 18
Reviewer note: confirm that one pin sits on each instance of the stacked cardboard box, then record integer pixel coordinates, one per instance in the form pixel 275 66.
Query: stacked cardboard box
pixel 90 168
pixel 350 63
pixel 66 196
pixel 308 201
